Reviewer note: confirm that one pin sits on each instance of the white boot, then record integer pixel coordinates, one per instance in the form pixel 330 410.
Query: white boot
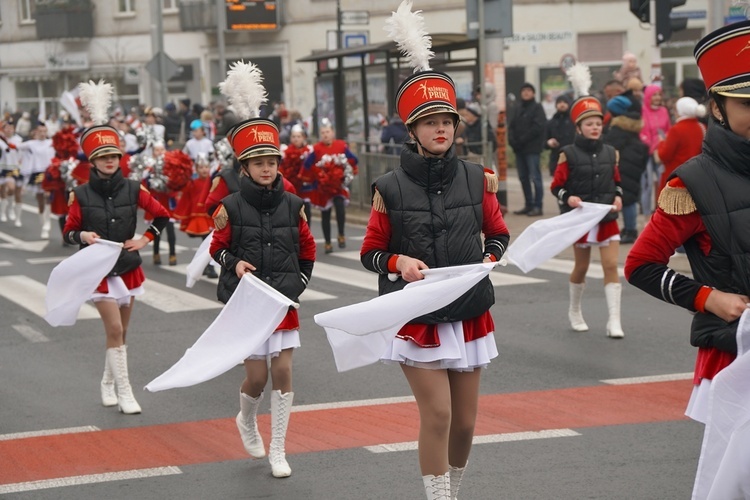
pixel 575 316
pixel 11 208
pixel 44 218
pixel 456 475
pixel 247 423
pixel 109 397
pixel 3 210
pixel 437 487
pixel 118 362
pixel 281 406
pixel 613 292
pixel 18 210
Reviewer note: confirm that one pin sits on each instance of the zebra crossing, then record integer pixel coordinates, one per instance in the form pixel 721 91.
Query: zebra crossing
pixel 335 276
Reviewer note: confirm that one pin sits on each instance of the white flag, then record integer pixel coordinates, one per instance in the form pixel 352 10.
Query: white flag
pixel 200 260
pixel 360 333
pixel 73 280
pixel 724 464
pixel 546 238
pixel 247 320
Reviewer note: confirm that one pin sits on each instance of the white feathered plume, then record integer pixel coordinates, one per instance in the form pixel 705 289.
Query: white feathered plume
pixel 407 29
pixel 579 76
pixel 244 89
pixel 96 98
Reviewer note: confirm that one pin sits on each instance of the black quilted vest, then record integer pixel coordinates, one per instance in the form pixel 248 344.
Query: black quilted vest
pixel 265 233
pixel 719 182
pixel 591 166
pixel 435 210
pixel 109 207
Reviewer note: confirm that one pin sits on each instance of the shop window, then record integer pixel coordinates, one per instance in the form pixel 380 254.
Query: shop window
pixel 596 47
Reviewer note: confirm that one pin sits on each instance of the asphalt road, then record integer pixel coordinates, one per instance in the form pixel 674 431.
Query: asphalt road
pixel 550 426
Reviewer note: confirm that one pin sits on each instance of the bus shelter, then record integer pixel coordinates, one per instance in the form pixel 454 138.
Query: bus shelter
pixel 355 89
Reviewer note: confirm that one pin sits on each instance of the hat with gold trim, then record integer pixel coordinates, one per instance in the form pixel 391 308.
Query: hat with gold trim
pixel 723 57
pixel 584 106
pixel 427 91
pixel 100 139
pixel 253 136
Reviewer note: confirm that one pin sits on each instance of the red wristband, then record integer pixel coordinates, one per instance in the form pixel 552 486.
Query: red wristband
pixel 699 302
pixel 392 263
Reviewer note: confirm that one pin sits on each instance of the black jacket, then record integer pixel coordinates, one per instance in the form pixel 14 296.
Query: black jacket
pixel 526 129
pixel 623 136
pixel 562 128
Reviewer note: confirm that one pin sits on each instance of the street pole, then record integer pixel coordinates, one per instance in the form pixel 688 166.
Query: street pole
pixel 481 39
pixel 157 44
pixel 221 26
pixel 338 24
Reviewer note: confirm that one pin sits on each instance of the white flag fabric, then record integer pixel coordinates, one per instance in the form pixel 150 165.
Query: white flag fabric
pixel 546 238
pixel 360 333
pixel 200 260
pixel 724 465
pixel 247 320
pixel 73 280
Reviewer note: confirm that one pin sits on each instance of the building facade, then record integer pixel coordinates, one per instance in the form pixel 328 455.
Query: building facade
pixel 49 46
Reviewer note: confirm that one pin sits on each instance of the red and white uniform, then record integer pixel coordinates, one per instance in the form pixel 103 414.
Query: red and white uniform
pixel 191 209
pixel 331 161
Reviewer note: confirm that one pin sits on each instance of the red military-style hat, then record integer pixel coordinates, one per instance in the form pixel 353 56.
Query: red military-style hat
pixel 100 140
pixel 723 58
pixel 255 137
pixel 426 93
pixel 585 107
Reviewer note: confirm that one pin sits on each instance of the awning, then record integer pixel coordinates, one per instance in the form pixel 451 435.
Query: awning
pixel 441 42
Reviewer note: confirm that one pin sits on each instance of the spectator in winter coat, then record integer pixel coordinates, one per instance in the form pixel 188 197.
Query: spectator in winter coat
pixel 623 135
pixel 526 136
pixel 684 140
pixel 656 124
pixel 393 135
pixel 560 131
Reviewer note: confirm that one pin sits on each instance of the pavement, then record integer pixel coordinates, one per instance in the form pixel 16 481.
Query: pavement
pixel 518 223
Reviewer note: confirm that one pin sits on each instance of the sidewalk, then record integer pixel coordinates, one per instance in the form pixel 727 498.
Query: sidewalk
pixel 518 223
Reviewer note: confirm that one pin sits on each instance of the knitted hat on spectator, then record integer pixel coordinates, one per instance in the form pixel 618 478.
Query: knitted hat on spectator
pixel 687 107
pixel 253 136
pixel 100 139
pixel 427 91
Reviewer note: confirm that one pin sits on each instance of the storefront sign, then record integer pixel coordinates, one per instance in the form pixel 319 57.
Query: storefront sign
pixel 541 36
pixel 68 61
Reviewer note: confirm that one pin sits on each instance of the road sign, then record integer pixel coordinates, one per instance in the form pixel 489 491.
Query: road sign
pixel 688 14
pixel 355 17
pixel 171 68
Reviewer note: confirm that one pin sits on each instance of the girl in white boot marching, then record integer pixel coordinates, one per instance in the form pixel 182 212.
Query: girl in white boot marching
pixel 262 229
pixel 106 207
pixel 588 171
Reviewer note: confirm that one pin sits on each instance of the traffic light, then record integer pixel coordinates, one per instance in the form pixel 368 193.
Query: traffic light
pixel 665 25
pixel 641 9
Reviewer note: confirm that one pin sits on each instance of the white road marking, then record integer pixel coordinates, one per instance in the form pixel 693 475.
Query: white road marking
pixel 30 333
pixel 646 380
pixel 345 276
pixel 490 438
pixel 353 404
pixel 48 432
pixel 14 243
pixel 565 266
pixel 47 260
pixel 89 479
pixel 169 299
pixel 5 263
pixel 29 294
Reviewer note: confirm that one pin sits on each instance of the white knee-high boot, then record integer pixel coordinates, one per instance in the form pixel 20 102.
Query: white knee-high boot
pixel 281 406
pixel 118 362
pixel 11 207
pixel 613 292
pixel 456 475
pixel 4 210
pixel 44 218
pixel 575 316
pixel 437 487
pixel 109 397
pixel 18 209
pixel 247 423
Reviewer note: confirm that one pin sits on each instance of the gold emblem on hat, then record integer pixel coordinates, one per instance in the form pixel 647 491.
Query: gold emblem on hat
pixel 260 135
pixel 747 46
pixel 105 138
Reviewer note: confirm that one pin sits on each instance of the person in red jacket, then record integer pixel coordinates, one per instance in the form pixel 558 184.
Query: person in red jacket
pixel 336 166
pixel 99 209
pixel 261 229
pixel 684 139
pixel 704 207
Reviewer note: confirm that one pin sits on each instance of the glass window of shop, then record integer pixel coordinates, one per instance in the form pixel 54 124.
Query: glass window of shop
pixel 126 6
pixel 39 96
pixel 26 9
pixel 355 122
